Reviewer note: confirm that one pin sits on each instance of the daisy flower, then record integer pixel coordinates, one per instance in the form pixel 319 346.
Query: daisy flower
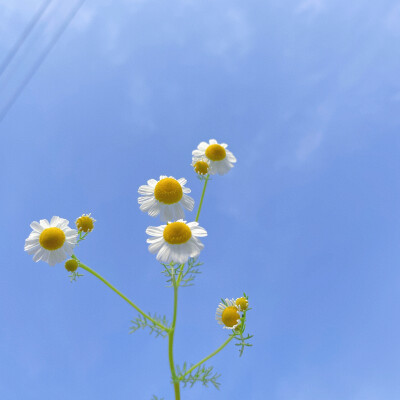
pixel 228 314
pixel 166 197
pixel 221 160
pixel 176 241
pixel 201 166
pixel 85 223
pixel 242 303
pixel 51 242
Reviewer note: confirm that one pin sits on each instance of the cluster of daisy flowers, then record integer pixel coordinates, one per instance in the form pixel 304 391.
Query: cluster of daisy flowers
pixel 54 241
pixel 177 240
pixel 229 312
pixel 173 242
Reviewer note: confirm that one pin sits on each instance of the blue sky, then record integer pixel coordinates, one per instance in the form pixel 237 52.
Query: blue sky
pixel 307 95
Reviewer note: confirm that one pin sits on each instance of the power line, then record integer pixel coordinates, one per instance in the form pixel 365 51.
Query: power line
pixel 40 60
pixel 14 50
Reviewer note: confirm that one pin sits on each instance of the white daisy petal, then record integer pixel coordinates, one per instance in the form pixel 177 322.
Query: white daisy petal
pixel 36 226
pixel 54 221
pixel 199 231
pixel 146 190
pixel 187 202
pixel 231 158
pixel 45 224
pixel 155 230
pixel 198 153
pixel 156 246
pixel 182 181
pixel 202 146
pixel 38 254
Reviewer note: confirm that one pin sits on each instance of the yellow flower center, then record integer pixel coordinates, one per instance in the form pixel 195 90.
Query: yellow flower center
pixel 52 238
pixel 177 233
pixel 85 223
pixel 242 303
pixel 168 191
pixel 71 265
pixel 201 167
pixel 230 316
pixel 215 152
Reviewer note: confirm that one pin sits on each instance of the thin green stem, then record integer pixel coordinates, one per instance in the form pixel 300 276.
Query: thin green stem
pixel 85 267
pixel 171 339
pixel 82 237
pixel 202 197
pixel 209 356
pixel 178 281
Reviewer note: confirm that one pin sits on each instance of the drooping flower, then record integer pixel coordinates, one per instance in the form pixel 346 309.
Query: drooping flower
pixel 71 265
pixel 166 198
pixel 228 314
pixel 52 241
pixel 85 223
pixel 220 159
pixel 176 241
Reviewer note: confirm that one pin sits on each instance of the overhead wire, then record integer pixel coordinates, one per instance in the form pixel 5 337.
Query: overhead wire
pixel 40 60
pixel 25 34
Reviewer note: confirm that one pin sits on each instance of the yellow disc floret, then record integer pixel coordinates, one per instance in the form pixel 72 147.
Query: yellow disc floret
pixel 201 167
pixel 85 223
pixel 242 303
pixel 177 233
pixel 230 316
pixel 168 191
pixel 71 265
pixel 52 238
pixel 215 152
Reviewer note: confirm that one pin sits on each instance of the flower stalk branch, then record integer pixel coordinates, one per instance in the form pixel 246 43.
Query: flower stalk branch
pixel 208 357
pixel 85 267
pixel 202 197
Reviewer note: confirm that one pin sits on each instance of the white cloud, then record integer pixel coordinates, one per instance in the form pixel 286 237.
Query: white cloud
pixel 231 34
pixel 392 21
pixel 308 145
pixel 310 6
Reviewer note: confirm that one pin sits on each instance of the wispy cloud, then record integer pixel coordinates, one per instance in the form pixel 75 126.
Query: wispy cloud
pixel 310 6
pixel 392 21
pixel 231 34
pixel 308 145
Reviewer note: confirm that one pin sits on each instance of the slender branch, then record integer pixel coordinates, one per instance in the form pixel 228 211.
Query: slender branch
pixel 85 267
pixel 202 197
pixel 171 339
pixel 209 356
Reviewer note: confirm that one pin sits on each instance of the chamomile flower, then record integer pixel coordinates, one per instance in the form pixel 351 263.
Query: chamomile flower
pixel 71 265
pixel 221 160
pixel 201 166
pixel 52 241
pixel 228 314
pixel 242 303
pixel 85 223
pixel 166 198
pixel 176 241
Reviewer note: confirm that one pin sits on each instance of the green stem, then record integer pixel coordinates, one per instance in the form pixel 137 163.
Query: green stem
pixel 208 357
pixel 85 267
pixel 202 197
pixel 171 340
pixel 178 281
